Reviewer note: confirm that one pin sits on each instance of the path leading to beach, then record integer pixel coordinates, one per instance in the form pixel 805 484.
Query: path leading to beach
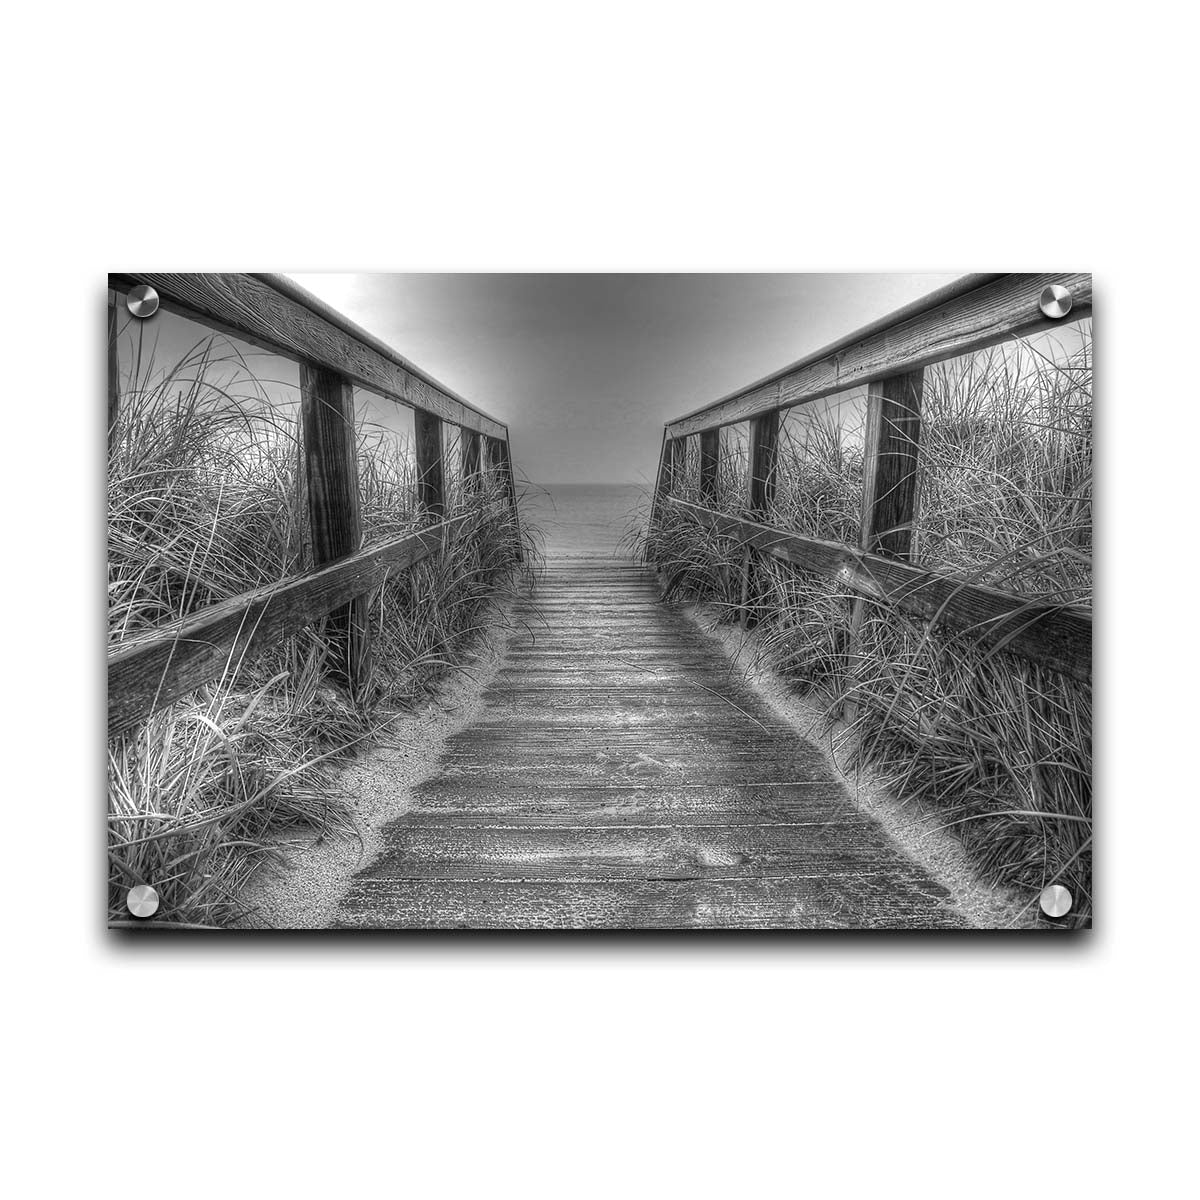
pixel 619 773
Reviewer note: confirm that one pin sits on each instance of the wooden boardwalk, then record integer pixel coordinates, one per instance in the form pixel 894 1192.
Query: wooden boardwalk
pixel 622 776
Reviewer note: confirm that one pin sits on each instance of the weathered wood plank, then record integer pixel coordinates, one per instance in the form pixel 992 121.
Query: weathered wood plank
pixel 590 793
pixel 890 456
pixel 160 667
pixel 431 485
pixel 1055 635
pixel 676 449
pixel 784 901
pixel 992 309
pixel 799 806
pixel 470 459
pixel 433 847
pixel 764 440
pixel 278 315
pixel 710 457
pixel 510 486
pixel 334 517
pixel 114 374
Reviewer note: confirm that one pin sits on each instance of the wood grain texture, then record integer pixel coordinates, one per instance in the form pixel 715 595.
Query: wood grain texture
pixel 334 516
pixel 600 788
pixel 764 440
pixel 662 482
pixel 470 459
pixel 890 454
pixel 1004 307
pixel 710 457
pixel 1058 636
pixel 431 483
pixel 504 454
pixel 279 316
pixel 114 374
pixel 159 668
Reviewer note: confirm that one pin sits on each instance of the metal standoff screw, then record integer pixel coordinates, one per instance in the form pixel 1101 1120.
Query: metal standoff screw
pixel 142 301
pixel 142 901
pixel 1055 302
pixel 1055 900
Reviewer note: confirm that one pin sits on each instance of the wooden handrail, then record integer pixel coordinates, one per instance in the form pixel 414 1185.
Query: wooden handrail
pixel 975 313
pixel 280 316
pixel 890 356
pixel 157 668
pixel 1055 635
pixel 334 355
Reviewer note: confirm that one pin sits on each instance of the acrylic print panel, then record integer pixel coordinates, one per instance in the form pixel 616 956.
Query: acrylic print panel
pixel 599 602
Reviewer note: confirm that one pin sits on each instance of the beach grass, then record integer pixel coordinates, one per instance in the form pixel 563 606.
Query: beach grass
pixel 206 500
pixel 997 748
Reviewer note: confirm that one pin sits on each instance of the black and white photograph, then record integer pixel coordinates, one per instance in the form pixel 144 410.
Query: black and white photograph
pixel 597 600
pixel 618 627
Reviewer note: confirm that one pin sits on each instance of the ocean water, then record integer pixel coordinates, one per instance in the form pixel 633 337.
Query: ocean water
pixel 588 520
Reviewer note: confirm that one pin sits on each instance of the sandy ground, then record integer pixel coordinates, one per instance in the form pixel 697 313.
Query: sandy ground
pixel 919 834
pixel 305 890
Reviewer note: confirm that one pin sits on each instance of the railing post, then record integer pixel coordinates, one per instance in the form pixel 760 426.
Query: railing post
pixel 764 440
pixel 893 439
pixel 114 379
pixel 510 484
pixel 710 454
pixel 669 457
pixel 890 452
pixel 335 520
pixel 470 459
pixel 431 484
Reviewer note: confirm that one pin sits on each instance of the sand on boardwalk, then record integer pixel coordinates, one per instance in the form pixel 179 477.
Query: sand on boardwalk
pixel 305 889
pixel 920 834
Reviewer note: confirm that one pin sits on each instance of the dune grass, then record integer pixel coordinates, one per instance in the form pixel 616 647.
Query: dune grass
pixel 997 747
pixel 206 500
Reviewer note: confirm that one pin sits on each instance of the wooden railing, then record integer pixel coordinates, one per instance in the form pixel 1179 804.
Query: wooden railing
pixel 271 312
pixel 889 356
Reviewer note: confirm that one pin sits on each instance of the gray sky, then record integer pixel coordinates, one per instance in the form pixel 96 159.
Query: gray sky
pixel 585 369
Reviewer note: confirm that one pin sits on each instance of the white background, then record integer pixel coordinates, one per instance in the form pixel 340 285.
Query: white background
pixel 617 137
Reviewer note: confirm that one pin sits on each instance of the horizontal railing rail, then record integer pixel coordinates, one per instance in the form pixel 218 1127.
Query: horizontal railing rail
pixel 1056 635
pixel 889 356
pixel 978 312
pixel 277 315
pixel 157 668
pixel 334 355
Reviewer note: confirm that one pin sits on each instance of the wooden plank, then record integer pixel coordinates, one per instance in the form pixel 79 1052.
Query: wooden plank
pixel 676 450
pixel 710 457
pixel 114 375
pixel 890 456
pixel 495 457
pixel 278 315
pixel 1055 635
pixel 431 484
pixel 160 667
pixel 698 807
pixel 764 440
pixel 433 847
pixel 334 518
pixel 787 901
pixel 470 459
pixel 996 310
pixel 662 488
pixel 510 487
